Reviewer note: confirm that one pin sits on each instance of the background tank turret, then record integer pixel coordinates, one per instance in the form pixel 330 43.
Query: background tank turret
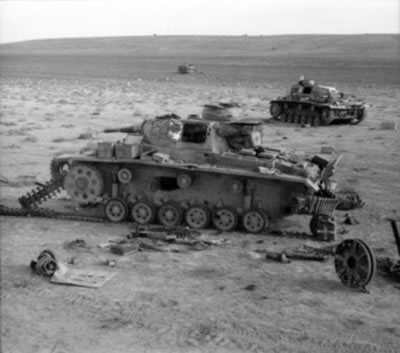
pixel 314 104
pixel 200 173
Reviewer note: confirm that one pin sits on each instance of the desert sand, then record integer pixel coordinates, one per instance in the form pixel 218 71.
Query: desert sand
pixel 58 96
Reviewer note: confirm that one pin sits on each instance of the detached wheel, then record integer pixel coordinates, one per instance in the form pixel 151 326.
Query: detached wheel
pixel 197 217
pixel 143 212
pixel 275 110
pixel 355 263
pixel 116 210
pixel 170 214
pixel 254 221
pixel 225 219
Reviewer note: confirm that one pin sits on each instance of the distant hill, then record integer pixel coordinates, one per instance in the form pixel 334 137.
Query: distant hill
pixel 367 45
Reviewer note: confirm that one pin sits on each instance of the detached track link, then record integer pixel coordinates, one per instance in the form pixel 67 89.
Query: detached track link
pixel 46 213
pixel 42 193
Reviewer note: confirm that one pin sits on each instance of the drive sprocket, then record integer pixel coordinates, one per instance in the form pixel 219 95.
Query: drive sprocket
pixel 84 183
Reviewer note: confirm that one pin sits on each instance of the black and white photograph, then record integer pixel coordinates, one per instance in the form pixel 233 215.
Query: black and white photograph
pixel 199 176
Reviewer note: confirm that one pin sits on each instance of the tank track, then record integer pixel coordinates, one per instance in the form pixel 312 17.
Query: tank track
pixel 29 204
pixel 306 113
pixel 42 193
pixel 29 208
pixel 46 213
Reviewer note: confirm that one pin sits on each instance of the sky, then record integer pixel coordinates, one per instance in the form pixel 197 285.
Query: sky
pixel 26 20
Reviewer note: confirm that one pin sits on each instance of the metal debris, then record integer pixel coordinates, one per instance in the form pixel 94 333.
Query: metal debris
pixel 46 263
pixel 355 263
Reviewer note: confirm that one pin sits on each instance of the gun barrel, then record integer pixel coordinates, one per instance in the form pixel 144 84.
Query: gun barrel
pixel 134 129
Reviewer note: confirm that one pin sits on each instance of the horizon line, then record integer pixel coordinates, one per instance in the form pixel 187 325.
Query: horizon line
pixel 244 35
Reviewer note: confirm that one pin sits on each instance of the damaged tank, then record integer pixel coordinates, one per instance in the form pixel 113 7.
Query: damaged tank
pixel 314 104
pixel 199 172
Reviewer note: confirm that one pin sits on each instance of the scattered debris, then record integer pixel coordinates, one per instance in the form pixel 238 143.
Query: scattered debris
pixel 81 277
pixel 349 201
pixel 111 263
pixel 250 287
pixel 276 256
pixel 302 253
pixel 75 244
pixel 46 264
pixel 328 150
pixel 160 238
pixel 350 219
pixel 388 125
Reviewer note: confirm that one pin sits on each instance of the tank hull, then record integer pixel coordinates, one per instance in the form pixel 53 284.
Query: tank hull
pixel 314 114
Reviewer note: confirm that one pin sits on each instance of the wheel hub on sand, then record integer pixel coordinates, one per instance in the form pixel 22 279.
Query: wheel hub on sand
pixel 355 263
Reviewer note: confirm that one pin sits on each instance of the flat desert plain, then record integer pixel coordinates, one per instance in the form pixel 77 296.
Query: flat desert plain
pixel 58 96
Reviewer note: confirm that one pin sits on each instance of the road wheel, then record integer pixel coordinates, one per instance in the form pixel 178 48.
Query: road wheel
pixel 116 210
pixel 197 217
pixel 225 219
pixel 275 110
pixel 143 212
pixel 170 214
pixel 254 221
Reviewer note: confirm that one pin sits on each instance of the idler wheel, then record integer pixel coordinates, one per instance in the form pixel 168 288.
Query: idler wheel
pixel 83 183
pixel 143 212
pixel 116 210
pixel 275 110
pixel 355 263
pixel 254 221
pixel 170 214
pixel 323 226
pixel 225 219
pixel 197 217
pixel 58 168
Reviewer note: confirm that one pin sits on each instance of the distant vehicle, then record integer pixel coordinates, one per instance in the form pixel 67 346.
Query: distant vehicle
pixel 186 69
pixel 314 104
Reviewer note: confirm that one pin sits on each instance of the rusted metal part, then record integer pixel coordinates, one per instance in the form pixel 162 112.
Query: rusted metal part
pixel 285 255
pixel 46 264
pixel 355 263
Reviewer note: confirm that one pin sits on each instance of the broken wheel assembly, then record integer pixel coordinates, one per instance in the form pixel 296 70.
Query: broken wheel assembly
pixel 355 263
